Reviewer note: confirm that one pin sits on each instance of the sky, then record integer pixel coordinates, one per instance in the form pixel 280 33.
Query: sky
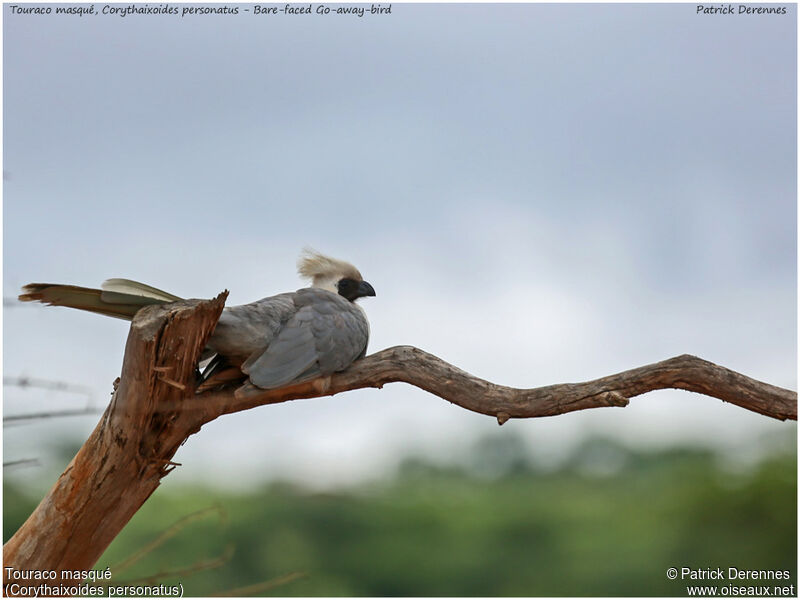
pixel 539 193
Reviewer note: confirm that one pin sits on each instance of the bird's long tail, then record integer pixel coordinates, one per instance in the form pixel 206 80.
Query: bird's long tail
pixel 120 298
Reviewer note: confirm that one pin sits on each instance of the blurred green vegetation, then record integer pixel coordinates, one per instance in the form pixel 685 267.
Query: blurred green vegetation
pixel 609 521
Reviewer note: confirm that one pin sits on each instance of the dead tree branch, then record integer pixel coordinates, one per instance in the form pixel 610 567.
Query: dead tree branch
pixel 432 374
pixel 155 409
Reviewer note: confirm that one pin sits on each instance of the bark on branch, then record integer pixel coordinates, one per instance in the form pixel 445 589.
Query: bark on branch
pixel 154 410
pixel 432 374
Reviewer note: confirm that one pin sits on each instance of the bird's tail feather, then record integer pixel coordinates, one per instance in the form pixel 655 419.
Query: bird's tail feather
pixel 109 301
pixel 128 286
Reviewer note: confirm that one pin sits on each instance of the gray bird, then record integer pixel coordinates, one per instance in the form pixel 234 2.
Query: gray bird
pixel 282 339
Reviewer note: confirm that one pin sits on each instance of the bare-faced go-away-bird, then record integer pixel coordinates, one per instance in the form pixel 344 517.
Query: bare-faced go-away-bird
pixel 280 340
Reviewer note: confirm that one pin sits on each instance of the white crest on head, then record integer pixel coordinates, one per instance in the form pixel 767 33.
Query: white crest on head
pixel 324 271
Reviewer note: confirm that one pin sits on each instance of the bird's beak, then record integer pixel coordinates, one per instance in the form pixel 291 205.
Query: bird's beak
pixel 365 289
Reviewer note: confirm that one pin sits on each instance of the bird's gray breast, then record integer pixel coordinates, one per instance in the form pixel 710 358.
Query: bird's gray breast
pixel 293 337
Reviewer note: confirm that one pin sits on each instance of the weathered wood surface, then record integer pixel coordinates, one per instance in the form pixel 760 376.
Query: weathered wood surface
pixel 128 452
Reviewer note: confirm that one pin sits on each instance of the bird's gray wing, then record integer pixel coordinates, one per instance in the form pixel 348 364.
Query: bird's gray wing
pixel 250 328
pixel 325 335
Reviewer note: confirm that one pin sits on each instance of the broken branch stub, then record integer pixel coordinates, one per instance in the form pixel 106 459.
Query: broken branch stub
pixel 128 452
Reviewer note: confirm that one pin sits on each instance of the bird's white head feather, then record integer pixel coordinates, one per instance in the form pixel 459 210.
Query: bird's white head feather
pixel 324 271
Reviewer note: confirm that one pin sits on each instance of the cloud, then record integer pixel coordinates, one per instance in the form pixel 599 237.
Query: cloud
pixel 539 193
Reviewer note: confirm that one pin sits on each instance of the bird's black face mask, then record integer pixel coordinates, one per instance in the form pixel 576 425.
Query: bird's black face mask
pixel 352 289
